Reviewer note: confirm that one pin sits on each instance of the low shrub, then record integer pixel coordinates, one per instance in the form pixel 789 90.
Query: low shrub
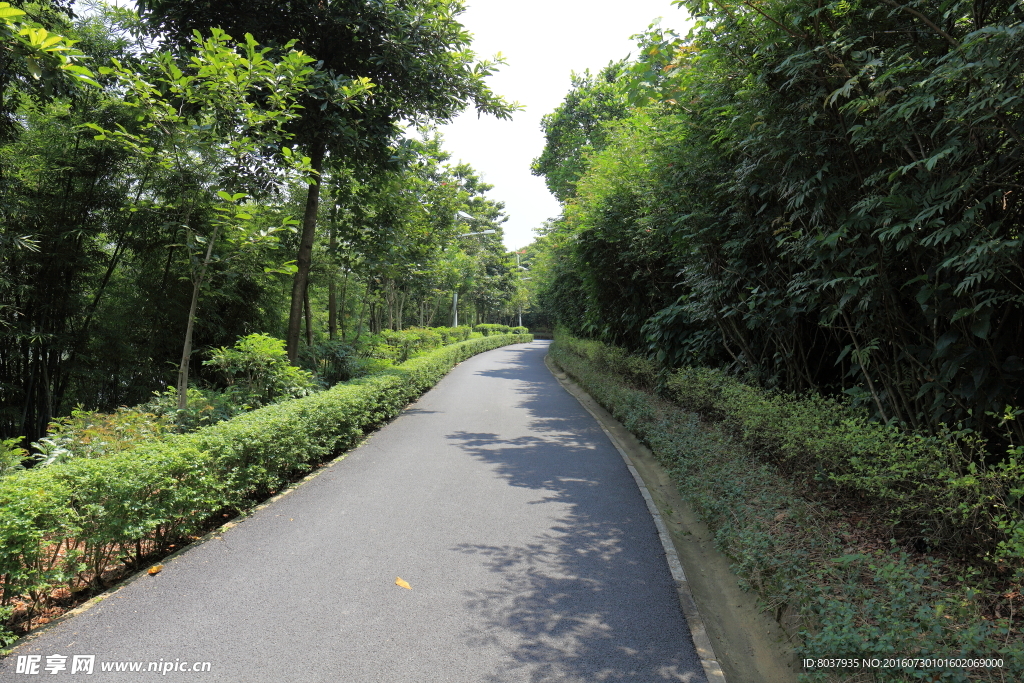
pixel 203 407
pixel 12 456
pixel 333 361
pixel 407 343
pixel 638 371
pixel 487 329
pixel 92 434
pixel 519 330
pixel 258 370
pixel 940 491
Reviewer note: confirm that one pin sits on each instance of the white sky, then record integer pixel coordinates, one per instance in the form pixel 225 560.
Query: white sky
pixel 543 41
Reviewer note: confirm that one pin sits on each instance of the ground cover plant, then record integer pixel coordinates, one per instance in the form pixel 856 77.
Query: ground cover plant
pixel 69 527
pixel 853 550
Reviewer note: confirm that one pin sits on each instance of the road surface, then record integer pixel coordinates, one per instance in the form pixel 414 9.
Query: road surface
pixel 529 550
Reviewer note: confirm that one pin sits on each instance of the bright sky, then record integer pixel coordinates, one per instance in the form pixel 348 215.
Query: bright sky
pixel 543 41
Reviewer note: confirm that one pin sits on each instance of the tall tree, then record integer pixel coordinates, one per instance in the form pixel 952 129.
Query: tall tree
pixel 212 108
pixel 414 53
pixel 577 128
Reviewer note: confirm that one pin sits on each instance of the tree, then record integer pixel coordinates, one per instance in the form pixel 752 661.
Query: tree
pixel 821 197
pixel 577 128
pixel 35 62
pixel 415 54
pixel 230 103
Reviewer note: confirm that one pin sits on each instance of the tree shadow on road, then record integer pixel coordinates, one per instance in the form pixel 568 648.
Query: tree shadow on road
pixel 589 598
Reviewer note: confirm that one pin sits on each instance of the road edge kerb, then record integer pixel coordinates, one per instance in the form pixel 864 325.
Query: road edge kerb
pixel 608 424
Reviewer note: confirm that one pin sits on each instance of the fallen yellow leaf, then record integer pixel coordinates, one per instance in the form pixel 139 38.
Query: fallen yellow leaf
pixel 156 569
pixel 401 582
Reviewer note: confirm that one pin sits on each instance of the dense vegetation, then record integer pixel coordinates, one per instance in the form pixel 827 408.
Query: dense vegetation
pixel 818 196
pixel 195 173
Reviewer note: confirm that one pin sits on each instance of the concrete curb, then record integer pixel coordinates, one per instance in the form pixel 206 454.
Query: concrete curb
pixel 698 632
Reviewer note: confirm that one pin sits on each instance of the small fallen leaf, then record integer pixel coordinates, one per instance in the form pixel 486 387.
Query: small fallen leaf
pixel 156 569
pixel 399 581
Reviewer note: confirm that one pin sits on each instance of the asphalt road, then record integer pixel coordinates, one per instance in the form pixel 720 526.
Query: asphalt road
pixel 497 497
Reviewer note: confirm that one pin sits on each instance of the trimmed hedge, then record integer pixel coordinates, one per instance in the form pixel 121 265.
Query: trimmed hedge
pixel 945 491
pixel 488 329
pixel 67 523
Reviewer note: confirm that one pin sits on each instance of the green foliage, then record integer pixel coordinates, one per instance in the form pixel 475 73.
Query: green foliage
pixel 817 197
pixel 636 370
pixel 92 289
pixel 257 369
pixel 164 199
pixel 576 128
pixel 37 62
pixel 487 329
pixel 398 346
pixel 874 605
pixel 105 510
pixel 7 637
pixel 806 559
pixel 416 56
pixel 332 361
pixel 12 456
pixel 92 434
pixel 406 343
pixel 203 407
pixel 938 489
pixel 450 335
pixel 519 330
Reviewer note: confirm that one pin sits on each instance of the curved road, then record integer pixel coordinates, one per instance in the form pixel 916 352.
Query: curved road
pixel 497 497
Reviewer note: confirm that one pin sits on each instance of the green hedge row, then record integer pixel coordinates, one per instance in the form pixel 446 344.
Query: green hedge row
pixel 814 566
pixel 417 339
pixel 488 329
pixel 62 524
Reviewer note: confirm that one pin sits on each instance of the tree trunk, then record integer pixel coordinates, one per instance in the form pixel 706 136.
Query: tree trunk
pixel 309 316
pixel 186 351
pixel 362 312
pixel 400 315
pixel 434 310
pixel 344 299
pixel 332 293
pixel 305 256
pixel 332 310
